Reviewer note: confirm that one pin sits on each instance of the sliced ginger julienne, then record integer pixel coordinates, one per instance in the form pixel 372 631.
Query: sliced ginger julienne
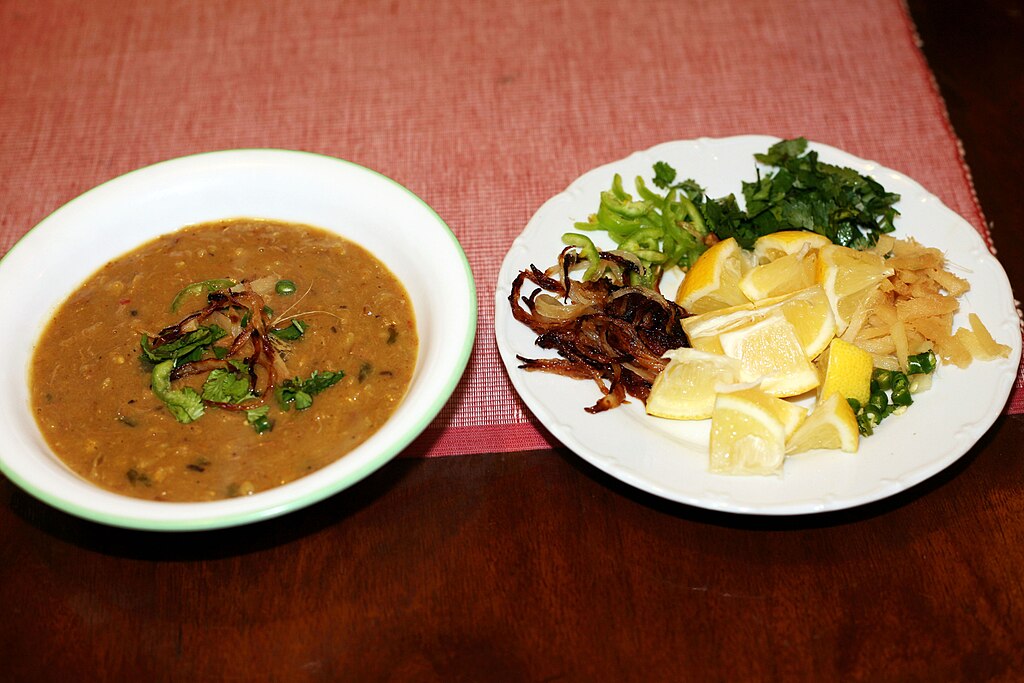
pixel 913 311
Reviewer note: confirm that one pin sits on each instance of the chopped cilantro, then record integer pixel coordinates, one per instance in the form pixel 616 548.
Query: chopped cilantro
pixel 299 392
pixel 257 417
pixel 805 194
pixel 226 386
pixel 780 151
pixel 664 175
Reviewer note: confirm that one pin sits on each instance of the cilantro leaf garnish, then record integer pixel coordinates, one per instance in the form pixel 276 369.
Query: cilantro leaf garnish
pixel 664 175
pixel 299 393
pixel 185 404
pixel 226 386
pixel 257 417
pixel 231 381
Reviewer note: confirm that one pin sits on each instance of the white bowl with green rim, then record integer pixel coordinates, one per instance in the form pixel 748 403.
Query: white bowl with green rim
pixel 359 204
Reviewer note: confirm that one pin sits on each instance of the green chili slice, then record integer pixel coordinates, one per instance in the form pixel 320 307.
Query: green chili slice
pixel 900 394
pixel 921 363
pixel 285 287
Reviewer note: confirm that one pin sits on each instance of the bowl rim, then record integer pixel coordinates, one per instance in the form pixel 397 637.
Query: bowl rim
pixel 254 512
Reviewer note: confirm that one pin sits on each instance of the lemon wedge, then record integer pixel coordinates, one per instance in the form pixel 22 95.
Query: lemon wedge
pixel 686 388
pixel 774 245
pixel 831 424
pixel 810 314
pixel 787 274
pixel 769 351
pixel 703 330
pixel 713 281
pixel 748 432
pixel 848 277
pixel 846 370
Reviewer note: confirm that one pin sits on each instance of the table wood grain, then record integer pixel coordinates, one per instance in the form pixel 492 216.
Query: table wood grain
pixel 535 566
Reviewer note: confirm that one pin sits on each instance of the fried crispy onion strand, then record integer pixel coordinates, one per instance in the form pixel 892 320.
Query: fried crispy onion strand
pixel 603 330
pixel 253 339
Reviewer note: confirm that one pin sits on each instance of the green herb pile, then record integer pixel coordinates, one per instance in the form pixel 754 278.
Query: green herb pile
pixel 674 226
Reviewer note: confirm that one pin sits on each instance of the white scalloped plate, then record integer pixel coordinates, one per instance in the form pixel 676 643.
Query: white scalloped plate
pixel 669 458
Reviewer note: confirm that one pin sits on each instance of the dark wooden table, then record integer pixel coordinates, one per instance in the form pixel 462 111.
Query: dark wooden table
pixel 535 566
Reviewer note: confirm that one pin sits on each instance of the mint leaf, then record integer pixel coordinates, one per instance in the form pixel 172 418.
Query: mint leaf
pixel 185 404
pixel 184 348
pixel 292 331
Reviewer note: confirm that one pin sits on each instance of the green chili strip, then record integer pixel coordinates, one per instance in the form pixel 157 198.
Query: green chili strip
pixel 588 251
pixel 200 287
pixel 623 207
pixel 890 390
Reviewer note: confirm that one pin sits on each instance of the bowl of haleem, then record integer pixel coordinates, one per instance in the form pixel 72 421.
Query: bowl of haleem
pixel 227 337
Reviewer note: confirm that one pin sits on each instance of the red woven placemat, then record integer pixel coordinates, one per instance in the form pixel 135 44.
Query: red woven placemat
pixel 483 109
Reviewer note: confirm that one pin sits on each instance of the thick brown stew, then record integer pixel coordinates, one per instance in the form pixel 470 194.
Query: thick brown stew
pixel 222 360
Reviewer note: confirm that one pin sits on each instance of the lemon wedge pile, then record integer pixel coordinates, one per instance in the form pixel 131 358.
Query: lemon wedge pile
pixel 764 328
